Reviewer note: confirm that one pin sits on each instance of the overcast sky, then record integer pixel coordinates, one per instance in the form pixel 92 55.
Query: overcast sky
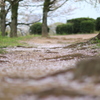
pixel 87 10
pixel 83 9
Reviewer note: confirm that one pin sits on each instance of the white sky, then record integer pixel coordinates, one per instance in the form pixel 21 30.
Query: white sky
pixel 87 10
pixel 83 9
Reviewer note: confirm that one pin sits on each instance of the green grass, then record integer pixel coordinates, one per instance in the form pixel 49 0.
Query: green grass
pixel 97 41
pixel 98 45
pixel 2 51
pixel 11 42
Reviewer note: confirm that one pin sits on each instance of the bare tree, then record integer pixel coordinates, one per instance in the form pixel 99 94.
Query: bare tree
pixel 14 11
pixel 49 5
pixel 12 6
pixel 3 13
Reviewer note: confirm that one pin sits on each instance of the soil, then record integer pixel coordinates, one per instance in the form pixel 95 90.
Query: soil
pixel 64 39
pixel 44 70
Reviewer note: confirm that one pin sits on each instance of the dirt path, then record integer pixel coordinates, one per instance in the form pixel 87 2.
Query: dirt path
pixel 39 72
pixel 65 39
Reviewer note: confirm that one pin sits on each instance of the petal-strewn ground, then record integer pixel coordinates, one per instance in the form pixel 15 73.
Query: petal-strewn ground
pixel 45 70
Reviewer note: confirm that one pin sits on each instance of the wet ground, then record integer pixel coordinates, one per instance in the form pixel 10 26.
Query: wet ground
pixel 45 70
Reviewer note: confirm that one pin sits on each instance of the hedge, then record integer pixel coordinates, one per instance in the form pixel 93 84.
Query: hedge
pixel 98 24
pixel 69 28
pixel 64 28
pixel 36 28
pixel 87 26
pixel 60 29
pixel 77 22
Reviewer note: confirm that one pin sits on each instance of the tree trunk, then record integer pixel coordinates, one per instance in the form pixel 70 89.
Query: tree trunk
pixel 14 11
pixel 3 20
pixel 0 21
pixel 44 25
pixel 44 20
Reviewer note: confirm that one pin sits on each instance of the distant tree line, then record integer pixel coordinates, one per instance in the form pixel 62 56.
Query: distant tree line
pixel 79 25
pixel 72 26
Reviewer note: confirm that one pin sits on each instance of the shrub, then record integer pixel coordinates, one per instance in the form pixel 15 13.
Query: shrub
pixel 87 26
pixel 36 28
pixel 77 22
pixel 64 28
pixel 98 24
pixel 60 29
pixel 69 28
pixel 76 25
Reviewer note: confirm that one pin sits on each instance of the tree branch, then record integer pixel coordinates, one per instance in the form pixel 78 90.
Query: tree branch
pixel 8 10
pixel 32 5
pixel 58 6
pixel 52 2
pixel 24 23
pixel 11 5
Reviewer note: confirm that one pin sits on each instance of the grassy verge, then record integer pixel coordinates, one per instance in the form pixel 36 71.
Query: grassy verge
pixel 11 42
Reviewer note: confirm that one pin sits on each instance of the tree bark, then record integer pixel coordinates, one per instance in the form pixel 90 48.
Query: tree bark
pixel 44 20
pixel 0 21
pixel 3 20
pixel 14 16
pixel 44 25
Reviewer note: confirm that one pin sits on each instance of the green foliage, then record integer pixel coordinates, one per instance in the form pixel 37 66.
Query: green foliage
pixel 11 42
pixel 77 22
pixel 98 24
pixel 76 25
pixel 97 41
pixel 36 28
pixel 87 26
pixel 58 29
pixel 64 28
pixel 69 28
